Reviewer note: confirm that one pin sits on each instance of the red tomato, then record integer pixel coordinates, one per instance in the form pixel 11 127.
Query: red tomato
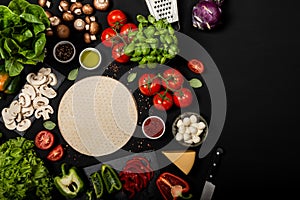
pixel 163 101
pixel 56 154
pixel 127 28
pixel 149 84
pixel 108 37
pixel 118 53
pixel 196 66
pixel 44 140
pixel 183 97
pixel 173 79
pixel 116 19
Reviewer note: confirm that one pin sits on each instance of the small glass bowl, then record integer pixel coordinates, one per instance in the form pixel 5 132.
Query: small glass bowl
pixel 199 118
pixel 64 52
pixel 155 122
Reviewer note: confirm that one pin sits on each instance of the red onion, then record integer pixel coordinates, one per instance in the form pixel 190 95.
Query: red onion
pixel 207 14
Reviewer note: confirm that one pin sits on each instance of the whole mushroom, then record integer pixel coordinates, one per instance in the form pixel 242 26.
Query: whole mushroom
pixel 89 19
pixel 93 28
pixel 68 16
pixel 76 8
pixel 54 21
pixel 88 38
pixel 87 9
pixel 79 24
pixel 63 31
pixel 48 14
pixel 101 5
pixel 63 6
pixel 44 3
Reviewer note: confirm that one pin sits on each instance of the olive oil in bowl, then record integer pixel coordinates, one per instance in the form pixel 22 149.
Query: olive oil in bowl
pixel 90 58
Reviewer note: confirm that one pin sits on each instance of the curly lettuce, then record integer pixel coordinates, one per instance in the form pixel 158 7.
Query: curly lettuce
pixel 23 174
pixel 22 35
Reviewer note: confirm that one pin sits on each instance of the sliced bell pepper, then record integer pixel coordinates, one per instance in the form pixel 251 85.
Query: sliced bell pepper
pixel 70 184
pixel 97 184
pixel 110 178
pixel 172 186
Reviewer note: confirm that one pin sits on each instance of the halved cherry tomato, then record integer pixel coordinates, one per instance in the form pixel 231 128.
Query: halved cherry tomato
pixel 108 37
pixel 196 66
pixel 172 79
pixel 44 140
pixel 116 19
pixel 149 84
pixel 56 154
pixel 118 53
pixel 163 101
pixel 183 97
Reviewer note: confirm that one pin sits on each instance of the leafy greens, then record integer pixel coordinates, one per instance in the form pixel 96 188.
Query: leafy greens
pixel 22 35
pixel 22 174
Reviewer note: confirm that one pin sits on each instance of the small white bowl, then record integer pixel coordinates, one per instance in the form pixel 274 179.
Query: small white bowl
pixel 155 122
pixel 93 50
pixel 58 45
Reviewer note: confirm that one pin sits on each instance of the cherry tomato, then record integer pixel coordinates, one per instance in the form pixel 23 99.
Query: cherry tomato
pixel 108 37
pixel 118 53
pixel 196 66
pixel 149 84
pixel 127 28
pixel 172 79
pixel 163 101
pixel 183 97
pixel 116 19
pixel 44 140
pixel 56 154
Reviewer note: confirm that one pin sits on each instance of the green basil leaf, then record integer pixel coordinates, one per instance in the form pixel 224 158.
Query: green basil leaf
pixel 73 74
pixel 195 83
pixel 49 125
pixel 131 77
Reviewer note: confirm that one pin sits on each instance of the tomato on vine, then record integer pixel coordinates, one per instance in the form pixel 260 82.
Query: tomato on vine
pixel 163 100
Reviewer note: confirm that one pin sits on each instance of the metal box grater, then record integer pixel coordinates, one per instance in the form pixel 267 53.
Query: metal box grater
pixel 163 9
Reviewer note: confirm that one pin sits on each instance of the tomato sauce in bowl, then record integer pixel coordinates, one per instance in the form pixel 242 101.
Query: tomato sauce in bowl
pixel 153 127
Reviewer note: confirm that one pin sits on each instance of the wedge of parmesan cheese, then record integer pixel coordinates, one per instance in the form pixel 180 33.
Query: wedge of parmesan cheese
pixel 184 160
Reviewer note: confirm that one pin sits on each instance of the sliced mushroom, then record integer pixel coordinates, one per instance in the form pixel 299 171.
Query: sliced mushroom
pixel 29 89
pixel 39 102
pixel 27 112
pixel 47 91
pixel 11 126
pixel 7 116
pixel 87 9
pixel 52 80
pixel 23 125
pixel 36 79
pixel 68 16
pixel 24 100
pixel 19 117
pixel 101 5
pixel 79 24
pixel 63 6
pixel 76 8
pixel 45 71
pixel 44 112
pixel 14 108
pixel 54 21
pixel 44 3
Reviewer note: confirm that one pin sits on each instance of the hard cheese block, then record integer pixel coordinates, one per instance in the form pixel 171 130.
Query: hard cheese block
pixel 184 160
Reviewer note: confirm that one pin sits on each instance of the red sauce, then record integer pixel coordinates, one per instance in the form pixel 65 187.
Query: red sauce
pixel 153 127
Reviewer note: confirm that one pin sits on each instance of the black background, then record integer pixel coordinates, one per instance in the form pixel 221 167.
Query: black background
pixel 256 50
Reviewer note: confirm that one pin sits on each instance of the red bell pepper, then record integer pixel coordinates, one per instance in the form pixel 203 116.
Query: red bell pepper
pixel 172 186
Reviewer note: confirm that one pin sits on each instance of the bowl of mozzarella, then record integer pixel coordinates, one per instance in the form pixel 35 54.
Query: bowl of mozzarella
pixel 190 129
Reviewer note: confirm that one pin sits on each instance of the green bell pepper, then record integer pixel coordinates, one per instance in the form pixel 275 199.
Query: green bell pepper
pixel 70 184
pixel 110 178
pixel 97 184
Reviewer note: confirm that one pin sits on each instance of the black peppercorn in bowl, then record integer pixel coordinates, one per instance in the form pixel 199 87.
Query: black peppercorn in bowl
pixel 64 51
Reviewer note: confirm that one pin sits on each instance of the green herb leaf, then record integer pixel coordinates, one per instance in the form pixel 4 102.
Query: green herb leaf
pixel 73 74
pixel 195 83
pixel 49 125
pixel 131 77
